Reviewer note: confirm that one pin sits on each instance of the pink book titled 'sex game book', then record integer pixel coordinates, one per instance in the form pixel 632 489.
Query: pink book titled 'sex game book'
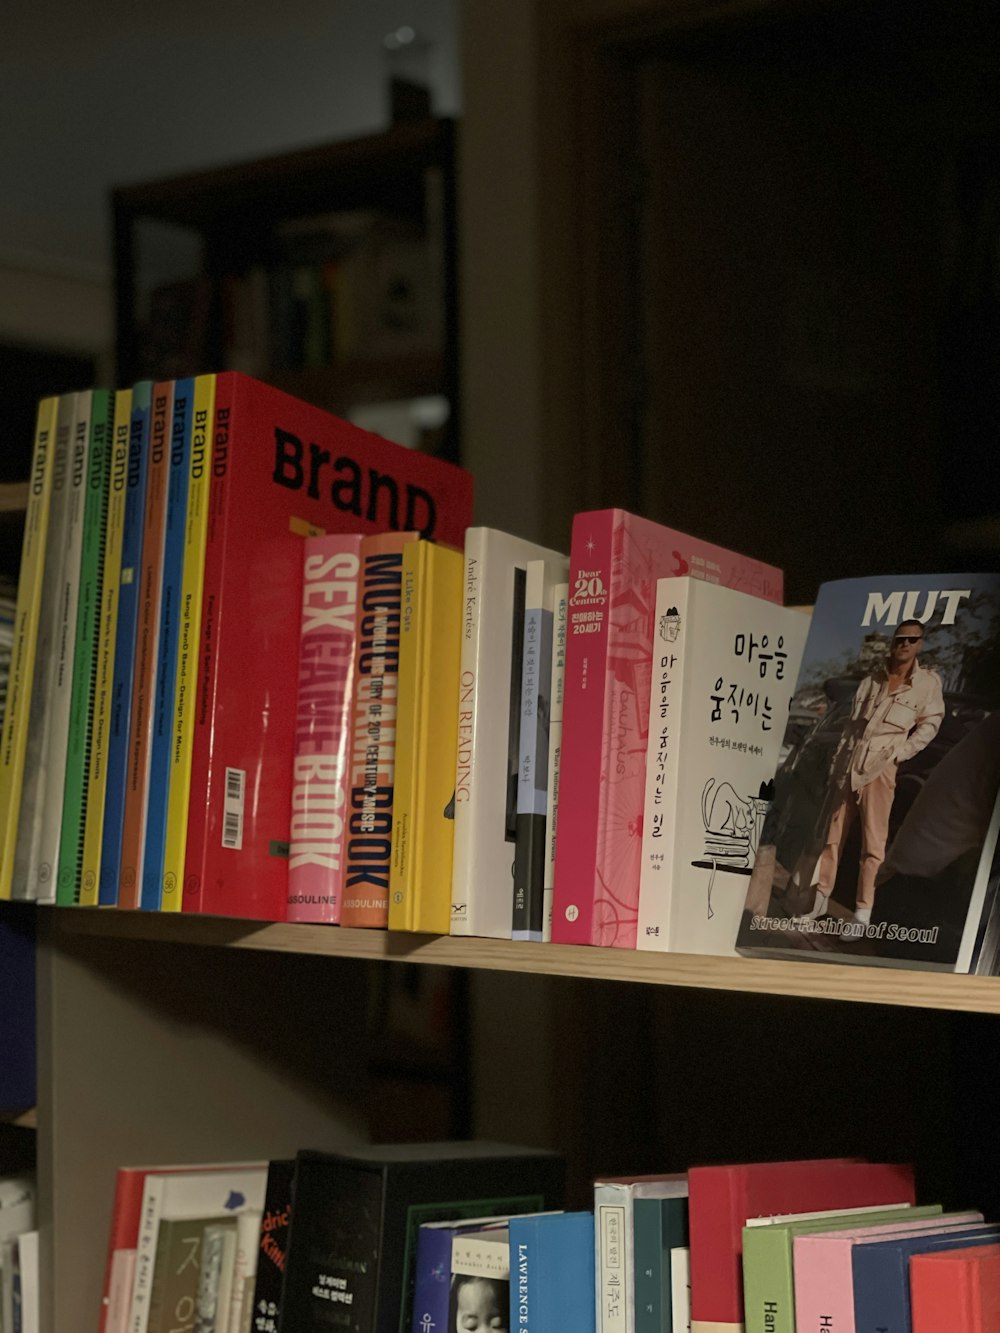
pixel 615 560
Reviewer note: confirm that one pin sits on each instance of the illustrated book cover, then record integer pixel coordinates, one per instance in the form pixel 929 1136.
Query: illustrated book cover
pixel 281 470
pixel 615 561
pixel 724 666
pixel 879 843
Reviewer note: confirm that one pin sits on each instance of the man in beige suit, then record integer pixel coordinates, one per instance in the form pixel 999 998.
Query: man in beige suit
pixel 897 710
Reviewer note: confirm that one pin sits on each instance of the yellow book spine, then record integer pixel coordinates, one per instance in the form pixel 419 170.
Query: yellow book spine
pixel 427 739
pixel 192 584
pixel 14 736
pixel 97 773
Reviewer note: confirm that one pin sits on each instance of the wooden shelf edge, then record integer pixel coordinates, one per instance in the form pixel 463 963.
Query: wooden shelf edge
pixel 829 981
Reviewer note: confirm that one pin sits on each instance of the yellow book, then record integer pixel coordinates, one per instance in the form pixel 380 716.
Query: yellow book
pixel 185 689
pixel 97 772
pixel 426 739
pixel 14 737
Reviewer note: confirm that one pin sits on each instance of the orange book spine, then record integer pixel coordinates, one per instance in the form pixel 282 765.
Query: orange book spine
pixel 144 678
pixel 368 855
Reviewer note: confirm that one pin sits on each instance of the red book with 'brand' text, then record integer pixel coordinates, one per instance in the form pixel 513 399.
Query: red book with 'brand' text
pixel 957 1290
pixel 722 1198
pixel 281 471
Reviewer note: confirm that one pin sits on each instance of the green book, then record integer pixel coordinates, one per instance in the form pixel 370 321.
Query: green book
pixel 659 1226
pixel 173 1293
pixel 85 660
pixel 768 1273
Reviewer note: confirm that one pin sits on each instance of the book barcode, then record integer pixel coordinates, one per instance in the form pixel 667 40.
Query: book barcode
pixel 232 816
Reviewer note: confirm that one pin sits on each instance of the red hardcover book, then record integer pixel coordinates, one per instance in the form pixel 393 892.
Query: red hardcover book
pixel 144 674
pixel 722 1198
pixel 281 470
pixel 372 769
pixel 323 727
pixel 615 560
pixel 956 1290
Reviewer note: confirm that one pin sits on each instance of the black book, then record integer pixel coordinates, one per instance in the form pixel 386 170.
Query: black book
pixel 353 1241
pixel 273 1246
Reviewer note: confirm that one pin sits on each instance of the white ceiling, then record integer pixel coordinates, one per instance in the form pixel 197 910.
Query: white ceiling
pixel 92 97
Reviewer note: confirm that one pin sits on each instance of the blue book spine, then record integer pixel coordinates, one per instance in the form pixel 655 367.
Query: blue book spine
pixel 167 640
pixel 432 1280
pixel 881 1273
pixel 125 636
pixel 552 1273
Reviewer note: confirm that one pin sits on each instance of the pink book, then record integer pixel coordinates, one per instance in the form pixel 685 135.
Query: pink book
pixel 615 560
pixel 327 638
pixel 824 1278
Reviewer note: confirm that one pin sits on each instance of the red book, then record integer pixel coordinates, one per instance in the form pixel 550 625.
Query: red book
pixel 323 727
pixel 956 1290
pixel 615 560
pixel 281 470
pixel 722 1198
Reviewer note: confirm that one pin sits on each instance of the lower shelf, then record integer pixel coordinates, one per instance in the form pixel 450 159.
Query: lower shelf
pixel 831 981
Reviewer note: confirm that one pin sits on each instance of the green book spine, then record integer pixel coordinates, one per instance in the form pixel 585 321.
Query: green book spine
pixel 85 661
pixel 659 1226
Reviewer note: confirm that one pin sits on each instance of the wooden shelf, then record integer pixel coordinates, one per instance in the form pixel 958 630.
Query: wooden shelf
pixel 831 981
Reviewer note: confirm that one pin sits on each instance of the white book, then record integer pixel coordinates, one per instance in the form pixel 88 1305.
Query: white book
pixel 528 917
pixel 228 1191
pixel 560 603
pixel 43 853
pixel 483 1253
pixel 680 1289
pixel 33 793
pixel 27 1266
pixel 489 730
pixel 723 673
pixel 614 1244
pixel 244 1266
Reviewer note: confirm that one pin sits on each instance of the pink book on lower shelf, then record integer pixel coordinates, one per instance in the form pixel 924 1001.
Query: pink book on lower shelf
pixel 615 561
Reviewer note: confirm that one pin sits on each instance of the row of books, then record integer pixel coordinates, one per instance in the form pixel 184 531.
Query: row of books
pixel 18 1256
pixel 469 1236
pixel 147 744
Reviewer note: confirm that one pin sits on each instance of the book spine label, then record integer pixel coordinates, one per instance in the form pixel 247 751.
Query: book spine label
pixel 560 601
pixel 208 645
pixel 373 750
pixel 585 703
pixel 145 1253
pixel 462 857
pixel 33 787
pixel 44 862
pixel 85 659
pixel 524 1274
pixel 147 622
pixel 168 638
pixel 327 641
pixel 17 710
pixel 611 1228
pixel 666 702
pixel 93 829
pixel 532 773
pixel 125 640
pixel 189 611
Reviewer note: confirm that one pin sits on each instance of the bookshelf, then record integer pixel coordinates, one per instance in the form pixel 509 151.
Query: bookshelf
pixel 355 221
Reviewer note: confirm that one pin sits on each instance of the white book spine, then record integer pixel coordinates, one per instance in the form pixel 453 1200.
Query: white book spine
pixel 153 1189
pixel 560 602
pixel 244 1266
pixel 612 1261
pixel 33 794
pixel 120 1291
pixel 680 1289
pixel 672 631
pixel 462 867
pixel 43 856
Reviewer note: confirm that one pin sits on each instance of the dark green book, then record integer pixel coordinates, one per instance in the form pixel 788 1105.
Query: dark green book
pixel 659 1226
pixel 85 661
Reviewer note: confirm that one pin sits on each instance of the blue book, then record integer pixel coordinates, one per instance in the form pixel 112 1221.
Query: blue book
pixel 881 1273
pixel 552 1279
pixel 432 1270
pixel 167 641
pixel 659 1226
pixel 125 637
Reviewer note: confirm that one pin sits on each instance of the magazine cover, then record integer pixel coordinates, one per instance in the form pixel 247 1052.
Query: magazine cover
pixel 879 843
